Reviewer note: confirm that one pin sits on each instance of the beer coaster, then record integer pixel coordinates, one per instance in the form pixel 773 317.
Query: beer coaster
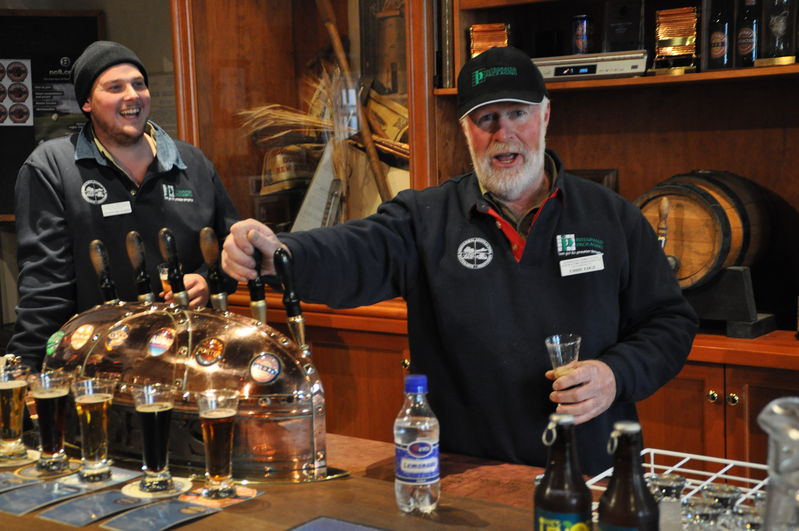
pixel 30 471
pixel 242 494
pixel 181 485
pixel 32 456
pixel 118 475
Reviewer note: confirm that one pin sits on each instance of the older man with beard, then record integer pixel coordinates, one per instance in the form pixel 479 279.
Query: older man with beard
pixel 121 172
pixel 491 263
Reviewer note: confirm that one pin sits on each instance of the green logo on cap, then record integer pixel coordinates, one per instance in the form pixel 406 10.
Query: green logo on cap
pixel 479 76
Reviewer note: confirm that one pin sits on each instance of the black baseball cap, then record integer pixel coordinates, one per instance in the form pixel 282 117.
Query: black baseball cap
pixel 98 57
pixel 499 74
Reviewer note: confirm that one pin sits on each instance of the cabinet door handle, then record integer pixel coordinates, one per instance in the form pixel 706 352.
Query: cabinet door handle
pixel 712 396
pixel 733 399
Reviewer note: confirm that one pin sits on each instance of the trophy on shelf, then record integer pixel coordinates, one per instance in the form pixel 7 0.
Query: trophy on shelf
pixel 779 32
pixel 675 41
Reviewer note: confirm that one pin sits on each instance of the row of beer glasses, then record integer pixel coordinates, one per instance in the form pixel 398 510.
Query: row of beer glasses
pixel 217 409
pixel 93 397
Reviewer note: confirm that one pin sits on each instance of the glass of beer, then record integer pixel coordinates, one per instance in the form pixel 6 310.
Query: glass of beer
pixel 93 398
pixel 13 385
pixel 154 403
pixel 163 274
pixel 217 408
pixel 50 390
pixel 564 350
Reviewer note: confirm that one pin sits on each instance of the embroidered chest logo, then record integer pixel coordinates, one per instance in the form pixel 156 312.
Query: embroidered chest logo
pixel 475 253
pixel 93 192
pixel 177 194
pixel 571 245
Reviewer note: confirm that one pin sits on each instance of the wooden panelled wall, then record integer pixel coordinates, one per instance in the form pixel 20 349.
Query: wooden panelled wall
pixel 237 55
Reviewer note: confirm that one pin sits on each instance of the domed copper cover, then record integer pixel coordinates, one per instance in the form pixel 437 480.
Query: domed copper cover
pixel 280 426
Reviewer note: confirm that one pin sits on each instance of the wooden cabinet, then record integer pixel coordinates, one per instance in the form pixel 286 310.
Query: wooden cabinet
pixel 711 409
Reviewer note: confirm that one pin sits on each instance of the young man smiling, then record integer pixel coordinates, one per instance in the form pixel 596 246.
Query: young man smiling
pixel 121 172
pixel 491 263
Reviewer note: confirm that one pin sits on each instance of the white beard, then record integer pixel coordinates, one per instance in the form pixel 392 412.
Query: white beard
pixel 509 184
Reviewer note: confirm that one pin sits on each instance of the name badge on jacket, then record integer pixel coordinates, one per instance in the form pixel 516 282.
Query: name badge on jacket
pixel 116 209
pixel 581 264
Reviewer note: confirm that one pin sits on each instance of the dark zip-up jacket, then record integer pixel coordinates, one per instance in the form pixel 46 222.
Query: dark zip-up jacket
pixel 478 315
pixel 68 194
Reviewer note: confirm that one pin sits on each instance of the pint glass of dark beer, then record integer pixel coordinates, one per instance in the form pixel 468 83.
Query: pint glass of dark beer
pixel 13 385
pixel 154 404
pixel 50 391
pixel 217 408
pixel 93 398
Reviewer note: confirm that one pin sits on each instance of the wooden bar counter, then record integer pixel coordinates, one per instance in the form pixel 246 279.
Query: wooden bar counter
pixel 475 493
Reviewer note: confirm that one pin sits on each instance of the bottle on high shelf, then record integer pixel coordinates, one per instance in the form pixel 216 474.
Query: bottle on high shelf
pixel 627 503
pixel 562 500
pixel 747 34
pixel 719 49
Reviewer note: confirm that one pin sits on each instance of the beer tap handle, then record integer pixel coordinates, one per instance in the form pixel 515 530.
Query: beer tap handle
pixel 135 248
pixel 257 291
pixel 209 245
pixel 169 252
pixel 99 258
pixel 663 229
pixel 296 322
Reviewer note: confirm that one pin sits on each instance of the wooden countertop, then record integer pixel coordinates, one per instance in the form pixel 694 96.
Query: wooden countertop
pixel 778 349
pixel 475 493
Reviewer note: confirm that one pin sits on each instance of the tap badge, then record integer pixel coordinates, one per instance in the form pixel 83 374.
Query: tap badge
pixel 209 351
pixel 475 253
pixel 54 341
pixel 265 368
pixel 81 336
pixel 116 337
pixel 161 341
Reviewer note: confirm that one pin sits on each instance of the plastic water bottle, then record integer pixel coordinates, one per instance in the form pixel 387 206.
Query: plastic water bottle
pixel 416 480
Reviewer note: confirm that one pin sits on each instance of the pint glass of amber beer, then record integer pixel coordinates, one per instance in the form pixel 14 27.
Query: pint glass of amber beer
pixel 154 403
pixel 13 385
pixel 50 390
pixel 93 401
pixel 217 408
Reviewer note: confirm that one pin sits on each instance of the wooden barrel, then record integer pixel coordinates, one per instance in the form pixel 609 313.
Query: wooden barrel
pixel 715 219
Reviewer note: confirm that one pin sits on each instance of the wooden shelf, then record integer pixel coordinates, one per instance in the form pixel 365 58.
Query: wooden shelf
pixel 482 4
pixel 645 81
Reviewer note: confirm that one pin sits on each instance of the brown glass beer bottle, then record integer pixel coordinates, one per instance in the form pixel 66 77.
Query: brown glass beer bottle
pixel 562 500
pixel 627 504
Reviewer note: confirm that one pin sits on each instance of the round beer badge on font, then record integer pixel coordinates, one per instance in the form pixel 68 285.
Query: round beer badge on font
pixel 161 341
pixel 265 368
pixel 209 351
pixel 81 336
pixel 54 341
pixel 116 337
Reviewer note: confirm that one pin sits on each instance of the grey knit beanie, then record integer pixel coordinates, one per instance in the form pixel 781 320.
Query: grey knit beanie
pixel 96 59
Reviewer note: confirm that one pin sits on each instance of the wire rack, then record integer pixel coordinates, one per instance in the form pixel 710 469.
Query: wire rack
pixel 698 470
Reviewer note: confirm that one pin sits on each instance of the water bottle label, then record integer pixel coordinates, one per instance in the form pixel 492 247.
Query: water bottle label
pixel 417 462
pixel 552 521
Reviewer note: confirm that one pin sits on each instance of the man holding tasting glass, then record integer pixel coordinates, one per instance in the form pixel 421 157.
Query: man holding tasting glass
pixel 490 264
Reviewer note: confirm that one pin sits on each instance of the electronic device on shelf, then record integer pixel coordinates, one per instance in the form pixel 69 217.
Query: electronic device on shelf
pixel 593 65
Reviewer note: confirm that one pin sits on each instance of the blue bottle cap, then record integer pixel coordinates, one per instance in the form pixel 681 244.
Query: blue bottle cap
pixel 415 383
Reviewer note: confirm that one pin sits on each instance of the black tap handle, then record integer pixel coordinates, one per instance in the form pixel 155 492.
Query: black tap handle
pixel 99 258
pixel 256 285
pixel 169 252
pixel 135 248
pixel 285 271
pixel 209 245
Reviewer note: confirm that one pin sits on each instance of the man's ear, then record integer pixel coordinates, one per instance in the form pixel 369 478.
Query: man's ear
pixel 86 107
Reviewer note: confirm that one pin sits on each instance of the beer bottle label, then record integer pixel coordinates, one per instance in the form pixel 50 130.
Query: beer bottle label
pixel 417 462
pixel 718 44
pixel 552 521
pixel 746 40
